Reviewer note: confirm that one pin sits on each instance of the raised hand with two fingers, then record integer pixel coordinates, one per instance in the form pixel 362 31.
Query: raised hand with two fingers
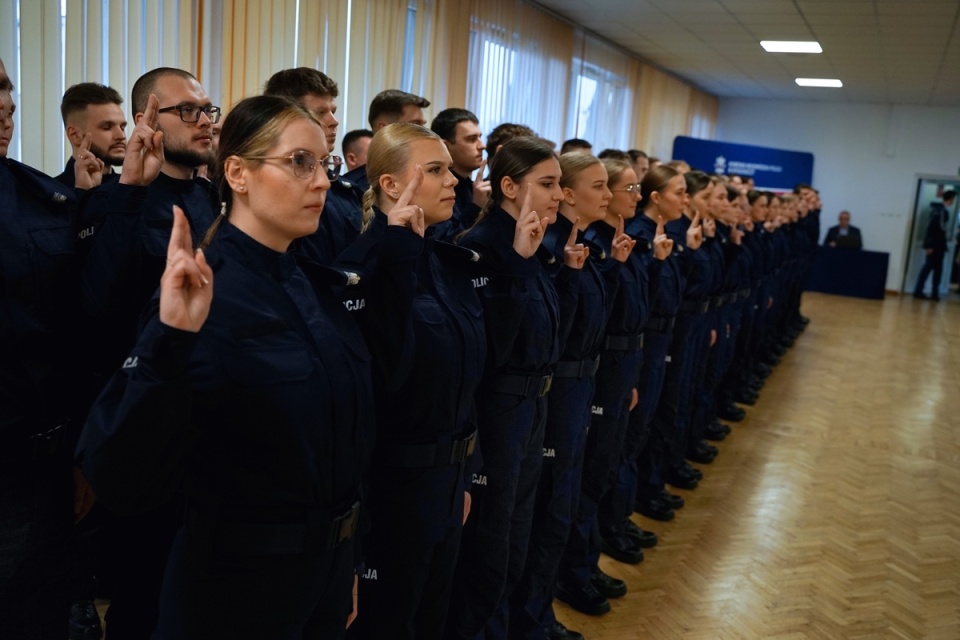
pixel 186 287
pixel 87 168
pixel 481 187
pixel 405 214
pixel 662 245
pixel 622 243
pixel 530 229
pixel 144 158
pixel 695 233
pixel 575 253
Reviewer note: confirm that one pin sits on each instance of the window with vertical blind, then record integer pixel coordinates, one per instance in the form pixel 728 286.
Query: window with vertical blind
pixel 506 60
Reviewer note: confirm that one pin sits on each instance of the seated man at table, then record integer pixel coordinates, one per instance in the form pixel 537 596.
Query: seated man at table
pixel 844 235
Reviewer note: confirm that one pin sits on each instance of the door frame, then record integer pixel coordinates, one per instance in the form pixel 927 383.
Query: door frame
pixel 908 239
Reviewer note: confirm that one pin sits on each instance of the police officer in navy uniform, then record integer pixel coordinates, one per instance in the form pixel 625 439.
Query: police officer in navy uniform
pixel 584 310
pixel 423 321
pixel 342 213
pixel 522 347
pixel 250 392
pixel 41 387
pixel 640 480
pixel 617 383
pixel 132 219
pixel 94 121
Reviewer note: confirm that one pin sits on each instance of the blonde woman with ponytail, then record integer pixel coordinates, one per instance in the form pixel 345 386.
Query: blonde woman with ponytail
pixel 423 323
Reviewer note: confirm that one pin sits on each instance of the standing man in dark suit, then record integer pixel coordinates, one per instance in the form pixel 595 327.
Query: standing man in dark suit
pixel 935 245
pixel 844 230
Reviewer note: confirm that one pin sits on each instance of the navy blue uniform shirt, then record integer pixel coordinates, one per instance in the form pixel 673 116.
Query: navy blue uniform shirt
pixel 671 282
pixel 269 406
pixel 39 305
pixel 129 253
pixel 521 306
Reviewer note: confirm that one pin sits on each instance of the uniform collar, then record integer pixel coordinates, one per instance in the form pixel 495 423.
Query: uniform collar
pixel 252 254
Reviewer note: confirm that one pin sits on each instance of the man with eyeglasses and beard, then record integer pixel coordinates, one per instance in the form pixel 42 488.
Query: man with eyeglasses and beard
pixel 174 117
pixel 94 123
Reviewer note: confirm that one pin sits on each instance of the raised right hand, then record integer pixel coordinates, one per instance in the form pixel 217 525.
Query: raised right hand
pixel 575 253
pixel 404 214
pixel 530 229
pixel 144 158
pixel 186 287
pixel 481 187
pixel 662 245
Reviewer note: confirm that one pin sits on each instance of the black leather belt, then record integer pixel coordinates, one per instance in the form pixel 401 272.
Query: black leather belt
pixel 623 343
pixel 694 307
pixel 259 538
pixel 661 324
pixel 526 386
pixel 443 452
pixel 576 368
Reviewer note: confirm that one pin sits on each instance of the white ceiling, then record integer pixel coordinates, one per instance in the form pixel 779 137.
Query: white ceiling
pixel 886 51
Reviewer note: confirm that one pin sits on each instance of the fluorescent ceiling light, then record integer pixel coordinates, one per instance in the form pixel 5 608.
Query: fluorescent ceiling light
pixel 788 46
pixel 819 82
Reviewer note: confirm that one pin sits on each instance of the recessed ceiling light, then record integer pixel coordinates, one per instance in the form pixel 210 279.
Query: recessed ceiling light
pixel 789 46
pixel 819 82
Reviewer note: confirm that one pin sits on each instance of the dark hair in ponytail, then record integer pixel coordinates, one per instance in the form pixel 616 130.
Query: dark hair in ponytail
pixel 515 159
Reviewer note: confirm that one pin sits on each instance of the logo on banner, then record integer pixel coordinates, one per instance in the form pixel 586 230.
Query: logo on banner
pixel 720 165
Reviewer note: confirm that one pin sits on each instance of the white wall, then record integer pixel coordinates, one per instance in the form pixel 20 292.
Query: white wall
pixel 866 157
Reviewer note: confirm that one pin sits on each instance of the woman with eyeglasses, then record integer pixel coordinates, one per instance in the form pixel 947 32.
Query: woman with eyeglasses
pixel 248 391
pixel 424 325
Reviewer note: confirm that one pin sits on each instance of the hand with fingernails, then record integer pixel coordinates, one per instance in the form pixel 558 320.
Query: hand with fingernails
pixel 481 187
pixel 622 243
pixel 695 233
pixel 530 229
pixel 575 253
pixel 186 287
pixel 87 168
pixel 662 245
pixel 144 158
pixel 404 214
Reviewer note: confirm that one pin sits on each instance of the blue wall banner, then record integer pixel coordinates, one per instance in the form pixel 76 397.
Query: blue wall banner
pixel 771 169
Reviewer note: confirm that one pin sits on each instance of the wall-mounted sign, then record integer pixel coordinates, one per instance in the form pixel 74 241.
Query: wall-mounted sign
pixel 771 169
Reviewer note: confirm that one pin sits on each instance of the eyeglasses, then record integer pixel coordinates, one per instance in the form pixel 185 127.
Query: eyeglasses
pixel 305 163
pixel 190 113
pixel 630 188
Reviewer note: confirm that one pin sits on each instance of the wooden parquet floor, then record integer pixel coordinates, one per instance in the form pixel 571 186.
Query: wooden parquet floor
pixel 833 510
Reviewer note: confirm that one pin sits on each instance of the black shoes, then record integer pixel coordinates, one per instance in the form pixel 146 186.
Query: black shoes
pixel 716 431
pixel 584 598
pixel 703 453
pixel 654 508
pixel 681 478
pixel 608 586
pixel 621 548
pixel 731 412
pixel 645 539
pixel 557 631
pixel 84 621
pixel 673 501
pixel 747 397
pixel 919 295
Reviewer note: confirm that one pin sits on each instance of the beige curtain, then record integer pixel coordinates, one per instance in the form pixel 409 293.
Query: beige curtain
pixel 670 107
pixel 519 67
